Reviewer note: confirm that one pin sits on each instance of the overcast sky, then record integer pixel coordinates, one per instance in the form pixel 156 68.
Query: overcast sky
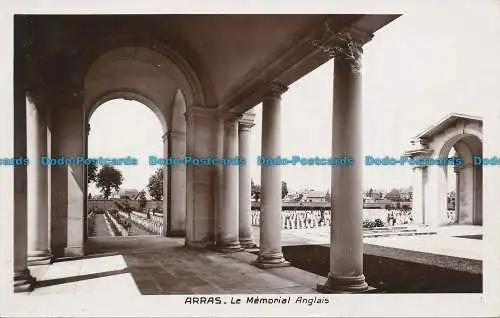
pixel 426 64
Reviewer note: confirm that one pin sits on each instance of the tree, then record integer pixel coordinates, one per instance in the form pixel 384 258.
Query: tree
pixel 255 191
pixel 142 200
pixel 370 192
pixel 91 173
pixel 109 178
pixel 284 189
pixel 393 195
pixel 155 184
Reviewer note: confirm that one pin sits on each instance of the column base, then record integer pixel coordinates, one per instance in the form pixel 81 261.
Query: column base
pixel 40 258
pixel 75 251
pixel 229 247
pixel 270 261
pixel 247 243
pixel 198 244
pixel 178 233
pixel 345 285
pixel 23 281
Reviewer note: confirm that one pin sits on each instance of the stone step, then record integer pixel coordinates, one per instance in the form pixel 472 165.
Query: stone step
pixel 399 234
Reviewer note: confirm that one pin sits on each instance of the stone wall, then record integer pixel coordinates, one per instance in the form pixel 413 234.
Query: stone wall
pixel 101 204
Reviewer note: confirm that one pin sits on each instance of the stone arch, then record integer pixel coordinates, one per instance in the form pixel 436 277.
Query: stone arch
pixel 464 134
pixel 127 94
pixel 468 187
pixel 144 75
pixel 198 94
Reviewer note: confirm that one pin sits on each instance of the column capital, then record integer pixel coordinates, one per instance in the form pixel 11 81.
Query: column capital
pixel 274 90
pixel 247 121
pixel 228 117
pixel 196 110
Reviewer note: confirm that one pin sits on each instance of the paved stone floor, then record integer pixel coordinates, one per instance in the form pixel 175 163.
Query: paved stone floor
pixel 152 265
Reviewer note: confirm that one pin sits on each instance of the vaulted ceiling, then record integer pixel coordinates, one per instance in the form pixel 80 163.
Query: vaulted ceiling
pixel 225 52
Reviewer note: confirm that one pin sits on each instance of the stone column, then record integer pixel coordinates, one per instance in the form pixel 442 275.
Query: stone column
pixel 245 201
pixel 346 232
pixel 38 208
pixel 176 198
pixel 165 204
pixel 219 180
pixel 229 219
pixel 86 188
pixel 270 254
pixel 23 281
pixel 456 169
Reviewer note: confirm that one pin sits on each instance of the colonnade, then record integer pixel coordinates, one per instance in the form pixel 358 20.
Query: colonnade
pixel 346 249
pixel 221 203
pixel 31 184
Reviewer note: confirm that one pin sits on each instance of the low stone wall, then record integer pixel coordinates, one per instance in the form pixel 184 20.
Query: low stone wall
pixel 298 219
pixel 93 204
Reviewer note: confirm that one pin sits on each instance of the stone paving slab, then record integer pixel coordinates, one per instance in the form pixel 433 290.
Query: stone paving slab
pixel 155 265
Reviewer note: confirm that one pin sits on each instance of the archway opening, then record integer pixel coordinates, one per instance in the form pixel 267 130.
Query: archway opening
pixel 464 180
pixel 125 191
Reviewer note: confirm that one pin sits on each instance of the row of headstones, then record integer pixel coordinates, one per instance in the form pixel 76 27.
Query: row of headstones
pixel 157 218
pixel 112 220
pixel 298 219
pixel 150 225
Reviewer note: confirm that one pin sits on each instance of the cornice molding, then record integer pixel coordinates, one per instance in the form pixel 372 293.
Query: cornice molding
pixel 255 82
pixel 274 90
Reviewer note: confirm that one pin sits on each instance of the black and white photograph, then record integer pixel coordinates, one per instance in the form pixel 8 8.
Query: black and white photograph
pixel 250 159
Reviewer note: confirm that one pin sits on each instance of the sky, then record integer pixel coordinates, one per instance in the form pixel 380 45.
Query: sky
pixel 424 65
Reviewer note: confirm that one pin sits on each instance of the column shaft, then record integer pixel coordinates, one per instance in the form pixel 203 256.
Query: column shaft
pixel 457 196
pixel 229 221
pixel 38 209
pixel 418 196
pixel 23 281
pixel 270 254
pixel 166 187
pixel 219 181
pixel 346 235
pixel 245 201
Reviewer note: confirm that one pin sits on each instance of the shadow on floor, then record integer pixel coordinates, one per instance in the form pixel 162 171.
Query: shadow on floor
pixel 72 279
pixel 389 275
pixel 474 237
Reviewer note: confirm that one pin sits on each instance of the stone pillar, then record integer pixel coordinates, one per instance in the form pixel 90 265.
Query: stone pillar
pixel 270 254
pixel 68 181
pixel 38 208
pixel 245 201
pixel 86 188
pixel 23 281
pixel 165 204
pixel 219 180
pixel 346 232
pixel 418 196
pixel 176 198
pixel 229 219
pixel 456 169
pixel 200 204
